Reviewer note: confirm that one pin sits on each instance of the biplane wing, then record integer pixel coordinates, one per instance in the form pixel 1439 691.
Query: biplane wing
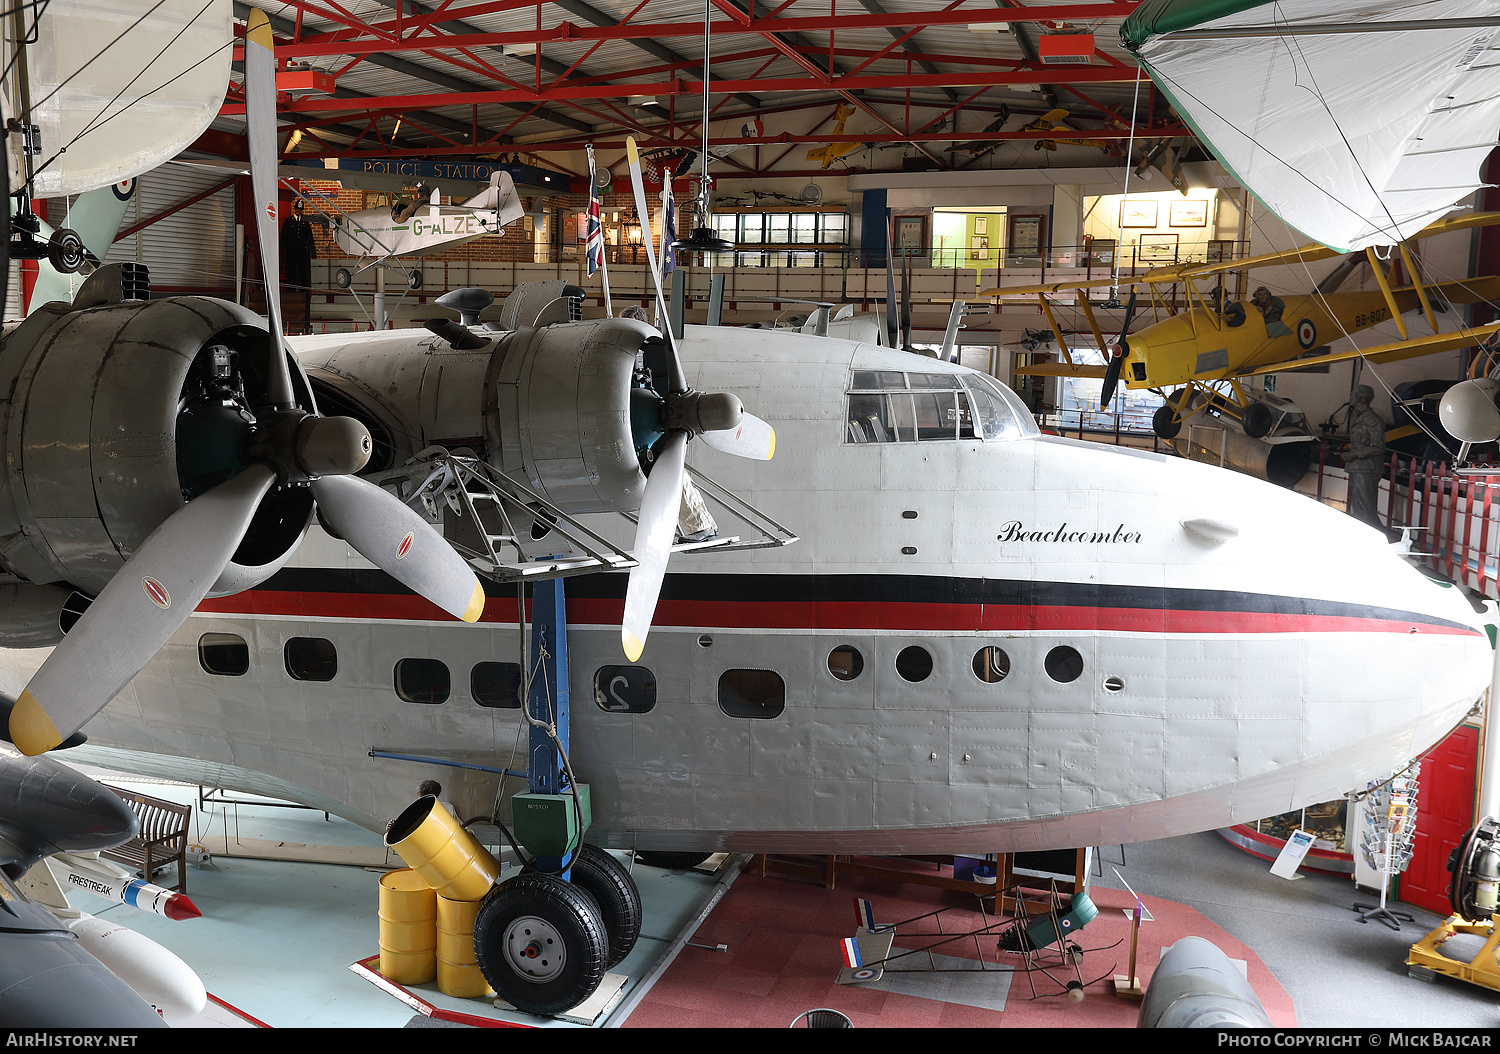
pixel 1392 352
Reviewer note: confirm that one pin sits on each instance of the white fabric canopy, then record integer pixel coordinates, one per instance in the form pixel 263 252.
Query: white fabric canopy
pixel 1354 138
pixel 121 90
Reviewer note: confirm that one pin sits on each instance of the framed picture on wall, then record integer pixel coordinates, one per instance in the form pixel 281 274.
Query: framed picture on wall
pixel 1138 212
pixel 981 225
pixel 1188 212
pixel 1157 248
pixel 911 235
pixel 979 247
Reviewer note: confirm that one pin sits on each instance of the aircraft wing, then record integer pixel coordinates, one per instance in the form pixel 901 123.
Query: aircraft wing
pixel 1179 272
pixel 1393 352
pixel 1062 369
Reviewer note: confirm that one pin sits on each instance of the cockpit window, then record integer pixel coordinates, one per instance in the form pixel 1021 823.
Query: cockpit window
pixel 890 406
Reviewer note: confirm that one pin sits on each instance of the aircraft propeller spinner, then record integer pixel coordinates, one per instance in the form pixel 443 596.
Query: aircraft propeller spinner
pixel 165 579
pixel 722 422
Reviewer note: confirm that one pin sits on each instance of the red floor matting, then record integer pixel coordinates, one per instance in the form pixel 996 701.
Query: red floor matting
pixel 784 957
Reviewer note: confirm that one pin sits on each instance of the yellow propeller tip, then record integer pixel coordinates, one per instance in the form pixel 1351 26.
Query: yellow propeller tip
pixel 31 730
pixel 476 604
pixel 258 29
pixel 771 452
pixel 633 646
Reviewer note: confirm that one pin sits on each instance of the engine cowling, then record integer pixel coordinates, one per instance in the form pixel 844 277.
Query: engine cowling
pixel 551 406
pixel 99 398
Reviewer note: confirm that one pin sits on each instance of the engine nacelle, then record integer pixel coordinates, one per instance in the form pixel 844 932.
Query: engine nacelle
pixel 549 406
pixel 89 436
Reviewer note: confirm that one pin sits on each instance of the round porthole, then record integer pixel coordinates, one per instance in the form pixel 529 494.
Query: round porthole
pixel 1064 665
pixel 914 664
pixel 845 662
pixel 991 664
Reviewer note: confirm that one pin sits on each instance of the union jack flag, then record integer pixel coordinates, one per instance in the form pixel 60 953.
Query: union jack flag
pixel 668 225
pixel 594 245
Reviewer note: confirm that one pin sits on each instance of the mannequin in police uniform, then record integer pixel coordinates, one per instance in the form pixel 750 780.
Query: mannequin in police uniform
pixel 297 253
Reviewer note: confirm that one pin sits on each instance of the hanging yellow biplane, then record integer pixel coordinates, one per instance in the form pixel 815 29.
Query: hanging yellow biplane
pixel 1198 357
pixel 833 151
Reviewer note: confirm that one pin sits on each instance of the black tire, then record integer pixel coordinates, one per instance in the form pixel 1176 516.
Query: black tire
pixel 65 251
pixel 605 879
pixel 1257 420
pixel 414 280
pixel 671 861
pixel 342 278
pixel 1165 423
pixel 540 943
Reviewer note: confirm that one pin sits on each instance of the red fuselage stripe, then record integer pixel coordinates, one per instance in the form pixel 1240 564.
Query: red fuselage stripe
pixel 834 615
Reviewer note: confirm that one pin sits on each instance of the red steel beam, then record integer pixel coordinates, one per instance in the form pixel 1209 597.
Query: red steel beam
pixel 662 30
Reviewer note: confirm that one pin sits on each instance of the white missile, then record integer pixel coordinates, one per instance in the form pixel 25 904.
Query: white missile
pixel 86 871
pixel 155 974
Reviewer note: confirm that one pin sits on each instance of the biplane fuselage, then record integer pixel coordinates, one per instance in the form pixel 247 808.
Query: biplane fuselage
pixel 1203 345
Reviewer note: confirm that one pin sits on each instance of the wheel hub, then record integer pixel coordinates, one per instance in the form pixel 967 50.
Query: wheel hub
pixel 535 949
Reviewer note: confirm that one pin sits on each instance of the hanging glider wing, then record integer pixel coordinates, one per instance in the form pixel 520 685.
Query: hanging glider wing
pixel 103 117
pixel 1358 123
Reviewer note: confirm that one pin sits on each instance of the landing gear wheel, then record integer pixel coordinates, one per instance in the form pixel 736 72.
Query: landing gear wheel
pixel 414 280
pixel 65 251
pixel 671 861
pixel 1165 423
pixel 540 944
pixel 1075 991
pixel 1257 420
pixel 605 879
pixel 342 278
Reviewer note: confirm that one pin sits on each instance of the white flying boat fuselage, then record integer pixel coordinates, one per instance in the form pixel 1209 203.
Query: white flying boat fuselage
pixel 978 644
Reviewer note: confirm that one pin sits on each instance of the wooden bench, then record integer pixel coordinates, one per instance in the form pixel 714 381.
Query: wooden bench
pixel 162 840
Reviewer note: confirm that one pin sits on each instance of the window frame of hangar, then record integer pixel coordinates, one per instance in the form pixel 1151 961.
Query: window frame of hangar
pixel 226 642
pixel 790 237
pixel 899 402
pixel 740 680
pixel 309 662
pixel 642 696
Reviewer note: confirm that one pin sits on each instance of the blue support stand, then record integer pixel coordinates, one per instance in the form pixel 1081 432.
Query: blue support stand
pixel 547 700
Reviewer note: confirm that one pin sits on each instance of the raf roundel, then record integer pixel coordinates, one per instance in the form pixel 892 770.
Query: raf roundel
pixel 157 592
pixel 1307 333
pixel 405 546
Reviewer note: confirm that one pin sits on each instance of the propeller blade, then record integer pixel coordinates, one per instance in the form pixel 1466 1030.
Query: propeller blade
pixel 892 327
pixel 1111 379
pixel 260 128
pixel 753 438
pixel 146 602
pixel 395 539
pixel 653 542
pixel 1117 360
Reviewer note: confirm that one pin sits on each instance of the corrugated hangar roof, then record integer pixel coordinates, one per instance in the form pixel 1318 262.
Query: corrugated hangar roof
pixel 948 83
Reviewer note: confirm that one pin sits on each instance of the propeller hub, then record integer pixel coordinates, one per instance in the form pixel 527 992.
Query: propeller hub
pixel 332 446
pixel 699 412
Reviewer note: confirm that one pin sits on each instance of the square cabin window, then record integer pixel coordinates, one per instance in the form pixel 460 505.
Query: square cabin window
pixel 759 694
pixel 311 659
pixel 224 654
pixel 496 684
pixel 423 681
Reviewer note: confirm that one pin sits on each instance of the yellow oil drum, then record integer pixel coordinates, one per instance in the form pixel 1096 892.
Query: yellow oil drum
pixel 448 857
pixel 408 928
pixel 457 971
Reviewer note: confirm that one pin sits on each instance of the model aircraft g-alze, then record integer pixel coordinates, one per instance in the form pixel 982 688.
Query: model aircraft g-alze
pixel 408 227
pixel 986 639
